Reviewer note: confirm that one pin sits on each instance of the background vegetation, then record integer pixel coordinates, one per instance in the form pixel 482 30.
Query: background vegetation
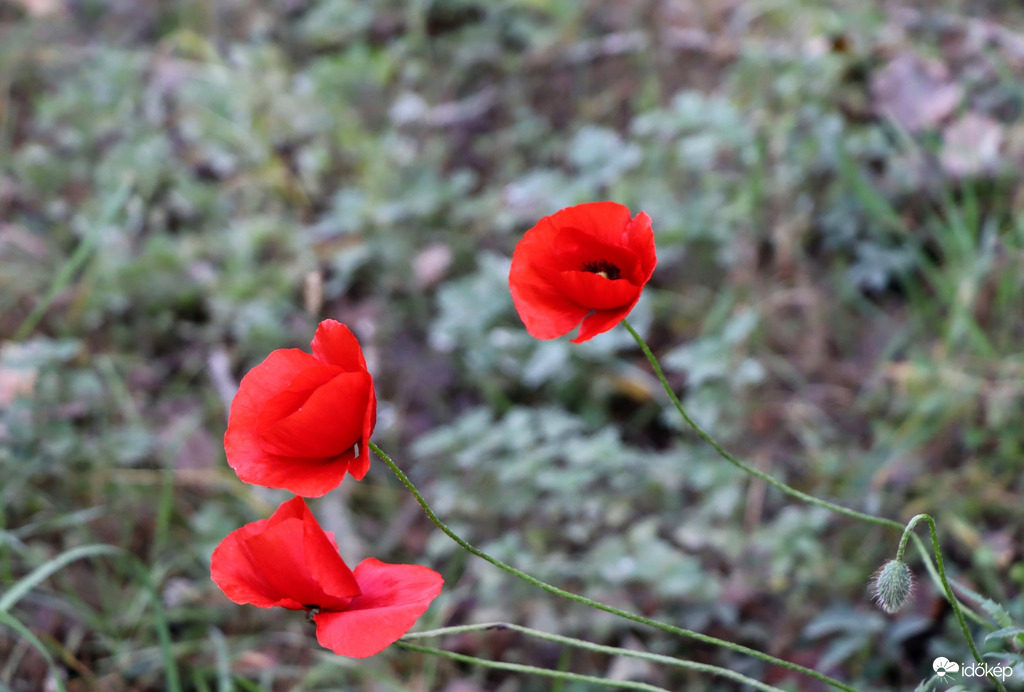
pixel 186 185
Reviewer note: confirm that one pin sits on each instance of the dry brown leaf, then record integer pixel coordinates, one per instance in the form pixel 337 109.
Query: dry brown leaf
pixel 971 146
pixel 313 292
pixel 915 92
pixel 431 263
pixel 16 238
pixel 14 381
pixel 41 8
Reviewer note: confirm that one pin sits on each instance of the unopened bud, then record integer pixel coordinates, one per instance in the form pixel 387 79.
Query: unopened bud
pixel 892 586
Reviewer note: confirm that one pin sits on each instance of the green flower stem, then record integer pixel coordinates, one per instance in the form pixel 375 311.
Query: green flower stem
pixel 757 473
pixel 599 648
pixel 922 551
pixel 672 629
pixel 533 670
pixel 880 521
pixel 950 596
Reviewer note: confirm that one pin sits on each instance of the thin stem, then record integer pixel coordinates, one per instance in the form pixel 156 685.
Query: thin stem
pixel 757 473
pixel 880 521
pixel 950 596
pixel 907 532
pixel 533 670
pixel 598 648
pixel 906 535
pixel 922 551
pixel 679 631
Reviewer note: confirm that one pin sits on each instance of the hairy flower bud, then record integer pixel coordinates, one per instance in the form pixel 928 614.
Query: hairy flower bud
pixel 892 585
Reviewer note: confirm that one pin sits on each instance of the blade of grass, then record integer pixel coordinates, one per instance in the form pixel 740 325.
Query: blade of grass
pixel 77 518
pixel 592 646
pixel 163 630
pixel 181 432
pixel 875 204
pixel 15 41
pixel 16 625
pixel 534 670
pixel 74 264
pixel 39 574
pixel 199 682
pixel 223 660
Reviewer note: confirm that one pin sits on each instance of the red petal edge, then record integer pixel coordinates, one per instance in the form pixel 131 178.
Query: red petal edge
pixel 393 598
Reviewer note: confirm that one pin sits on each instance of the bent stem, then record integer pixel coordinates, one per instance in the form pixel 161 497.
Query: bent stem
pixel 757 473
pixel 599 648
pixel 950 596
pixel 838 509
pixel 533 670
pixel 958 588
pixel 672 629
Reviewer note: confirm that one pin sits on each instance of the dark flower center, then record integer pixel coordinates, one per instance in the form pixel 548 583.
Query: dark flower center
pixel 604 268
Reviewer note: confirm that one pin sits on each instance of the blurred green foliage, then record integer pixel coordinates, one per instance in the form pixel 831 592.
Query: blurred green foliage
pixel 185 186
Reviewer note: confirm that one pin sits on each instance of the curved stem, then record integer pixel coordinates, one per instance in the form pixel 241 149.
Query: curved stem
pixel 922 552
pixel 880 521
pixel 907 533
pixel 950 596
pixel 599 648
pixel 533 670
pixel 672 629
pixel 757 473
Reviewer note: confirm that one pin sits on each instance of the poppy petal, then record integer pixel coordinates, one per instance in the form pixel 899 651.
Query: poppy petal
pixel 236 576
pixel 283 404
pixel 300 475
pixel 577 250
pixel 260 384
pixel 287 560
pixel 297 419
pixel 275 373
pixel 393 598
pixel 640 238
pixel 279 554
pixel 295 508
pixel 326 424
pixel 361 464
pixel 604 221
pixel 600 321
pixel 584 263
pixel 546 313
pixel 325 565
pixel 595 292
pixel 335 344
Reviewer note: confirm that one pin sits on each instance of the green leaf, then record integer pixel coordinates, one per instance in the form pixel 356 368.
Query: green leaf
pixel 39 574
pixel 1005 633
pixel 16 625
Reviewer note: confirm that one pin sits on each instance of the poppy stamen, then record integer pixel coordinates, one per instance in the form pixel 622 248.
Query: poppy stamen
pixel 311 612
pixel 603 268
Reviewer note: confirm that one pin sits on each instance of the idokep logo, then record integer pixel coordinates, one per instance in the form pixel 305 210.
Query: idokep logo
pixel 944 668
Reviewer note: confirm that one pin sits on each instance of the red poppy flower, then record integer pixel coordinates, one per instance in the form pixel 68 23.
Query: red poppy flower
pixel 289 561
pixel 589 262
pixel 298 417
